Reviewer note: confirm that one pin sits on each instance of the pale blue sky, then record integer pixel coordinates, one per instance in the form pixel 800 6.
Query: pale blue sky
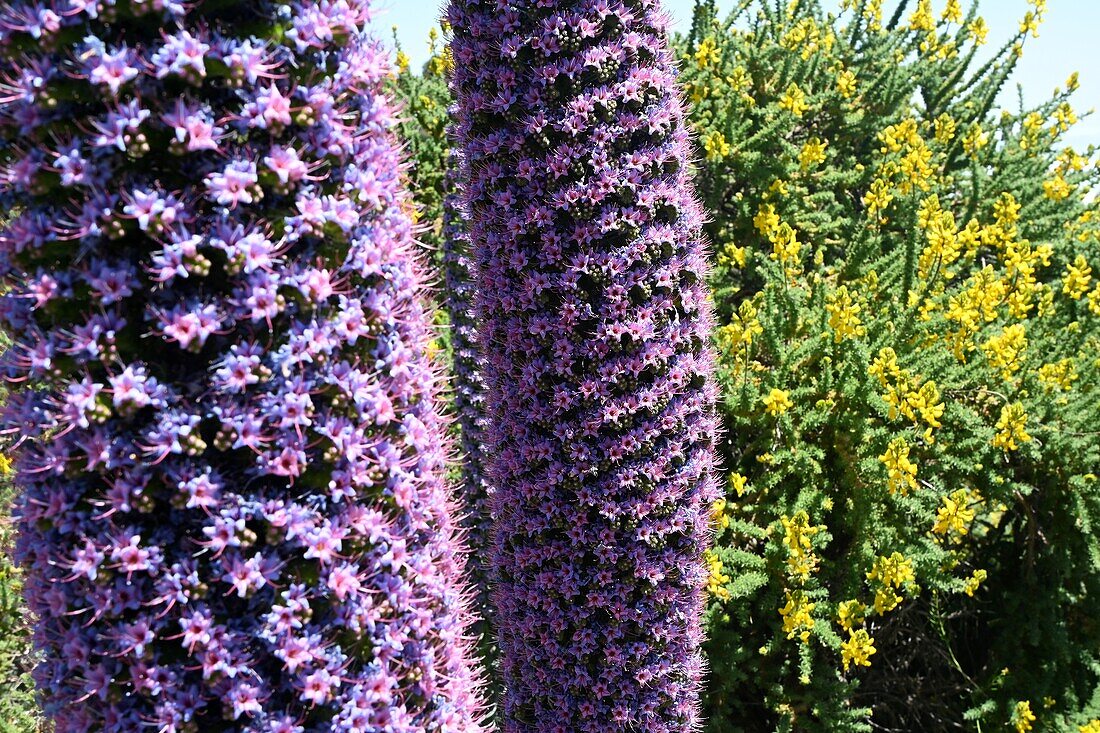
pixel 1067 42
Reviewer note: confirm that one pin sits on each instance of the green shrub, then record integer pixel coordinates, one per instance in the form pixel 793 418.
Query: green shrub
pixel 425 102
pixel 909 354
pixel 18 709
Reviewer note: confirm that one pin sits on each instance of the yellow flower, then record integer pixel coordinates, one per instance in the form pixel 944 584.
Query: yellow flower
pixel 766 220
pixel 1077 279
pixel 794 100
pixel 844 315
pixel 944 243
pixel 741 330
pixel 917 168
pixel 890 574
pixel 1030 24
pixel 1022 717
pixel 777 402
pixel 786 249
pixel 850 614
pixel 885 366
pixel 944 129
pixel 1006 210
pixel 718 516
pixel 953 12
pixel 922 18
pixel 970 587
pixel 926 401
pixel 806 37
pixel 1058 375
pixel 716 146
pixel 797 532
pixel 878 197
pixel 1094 300
pixel 716 578
pixel 797 618
pixel 732 254
pixel 901 473
pixel 857 650
pixel 812 153
pixel 846 83
pixel 1057 188
pixel 896 138
pixel 978 30
pixel 956 516
pixel 1033 124
pixel 738 483
pixel 402 61
pixel 975 139
pixel 5 465
pixel 1005 350
pixel 1011 428
pixel 893 571
pixel 1093 726
pixel 707 53
pixel 886 599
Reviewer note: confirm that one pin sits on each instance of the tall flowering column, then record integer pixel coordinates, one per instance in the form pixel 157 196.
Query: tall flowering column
pixel 233 515
pixel 469 392
pixel 595 325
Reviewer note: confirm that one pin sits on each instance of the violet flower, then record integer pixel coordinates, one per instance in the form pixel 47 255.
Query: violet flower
pixel 469 397
pixel 594 324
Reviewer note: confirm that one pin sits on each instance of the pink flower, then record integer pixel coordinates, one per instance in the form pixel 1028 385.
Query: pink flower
pixel 236 184
pixel 286 165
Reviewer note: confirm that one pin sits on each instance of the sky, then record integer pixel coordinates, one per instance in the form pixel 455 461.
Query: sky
pixel 1066 43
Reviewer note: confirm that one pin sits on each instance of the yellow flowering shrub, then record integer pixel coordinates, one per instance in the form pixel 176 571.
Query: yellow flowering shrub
pixel 908 330
pixel 422 127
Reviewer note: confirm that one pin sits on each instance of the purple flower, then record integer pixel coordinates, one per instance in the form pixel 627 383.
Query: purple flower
pixel 598 375
pixel 232 505
pixel 236 184
pixel 469 394
pixel 111 68
pixel 194 126
pixel 182 54
pixel 286 165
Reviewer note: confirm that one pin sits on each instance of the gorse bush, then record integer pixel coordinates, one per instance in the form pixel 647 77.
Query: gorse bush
pixel 594 325
pixel 908 333
pixel 231 500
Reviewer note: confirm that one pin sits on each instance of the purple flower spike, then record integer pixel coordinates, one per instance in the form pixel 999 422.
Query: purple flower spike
pixel 469 393
pixel 233 510
pixel 595 321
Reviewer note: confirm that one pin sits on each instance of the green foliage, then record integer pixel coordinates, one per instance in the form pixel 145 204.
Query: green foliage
pixel 18 710
pixel 910 376
pixel 425 102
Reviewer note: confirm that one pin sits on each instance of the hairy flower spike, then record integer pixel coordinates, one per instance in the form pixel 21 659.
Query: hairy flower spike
pixel 233 511
pixel 469 388
pixel 594 321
